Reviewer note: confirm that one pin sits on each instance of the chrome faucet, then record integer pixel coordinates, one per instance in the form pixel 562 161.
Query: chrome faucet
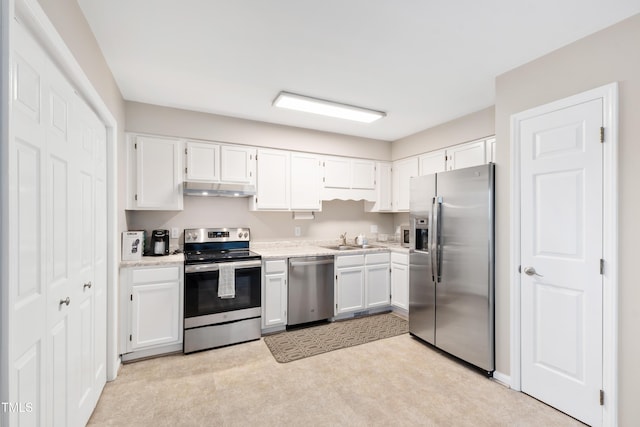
pixel 343 237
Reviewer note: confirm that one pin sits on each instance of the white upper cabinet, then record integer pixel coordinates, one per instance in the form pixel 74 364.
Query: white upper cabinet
pixel 273 180
pixel 155 173
pixel 238 164
pixel 363 174
pixel 348 179
pixel 214 163
pixel 466 155
pixel 203 162
pixel 384 197
pixel 337 172
pixel 403 170
pixel 305 182
pixel 432 162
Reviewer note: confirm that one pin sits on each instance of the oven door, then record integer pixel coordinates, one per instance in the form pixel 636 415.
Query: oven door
pixel 201 289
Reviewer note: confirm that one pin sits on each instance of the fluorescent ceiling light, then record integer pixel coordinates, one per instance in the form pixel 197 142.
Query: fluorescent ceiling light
pixel 326 108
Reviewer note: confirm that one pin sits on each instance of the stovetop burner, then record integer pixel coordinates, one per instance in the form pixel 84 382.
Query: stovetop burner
pixel 219 255
pixel 211 245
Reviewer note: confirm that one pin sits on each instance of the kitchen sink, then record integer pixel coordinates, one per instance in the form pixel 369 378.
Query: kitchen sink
pixel 350 247
pixel 341 247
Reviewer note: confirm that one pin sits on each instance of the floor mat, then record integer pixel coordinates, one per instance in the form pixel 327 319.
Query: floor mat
pixel 300 343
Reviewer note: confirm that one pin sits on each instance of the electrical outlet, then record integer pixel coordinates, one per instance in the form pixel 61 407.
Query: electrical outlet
pixel 175 232
pixel 297 231
pixel 373 228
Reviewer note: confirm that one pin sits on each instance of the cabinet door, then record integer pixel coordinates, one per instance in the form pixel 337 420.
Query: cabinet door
pixel 403 170
pixel 491 150
pixel 273 180
pixel 158 173
pixel 274 310
pixel 238 164
pixel 433 162
pixel 466 155
pixel 400 285
pixel 349 289
pixel 363 174
pixel 203 162
pixel 384 195
pixel 377 282
pixel 305 182
pixel 155 315
pixel 337 172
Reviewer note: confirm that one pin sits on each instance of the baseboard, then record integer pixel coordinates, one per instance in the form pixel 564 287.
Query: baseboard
pixel 503 379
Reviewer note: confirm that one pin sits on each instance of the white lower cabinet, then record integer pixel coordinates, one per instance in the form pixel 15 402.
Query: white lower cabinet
pixel 152 313
pixel 274 293
pixel 377 279
pixel 362 282
pixel 400 280
pixel 350 278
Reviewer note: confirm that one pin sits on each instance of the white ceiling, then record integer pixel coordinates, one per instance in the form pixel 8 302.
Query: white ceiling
pixel 423 62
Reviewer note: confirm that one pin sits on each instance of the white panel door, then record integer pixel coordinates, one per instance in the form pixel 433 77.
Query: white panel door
pixel 466 155
pixel 203 162
pixel 433 162
pixel 237 164
pixel 305 182
pixel 363 174
pixel 273 180
pixel 349 289
pixel 27 255
pixel 377 280
pixel 561 238
pixel 155 314
pixel 337 172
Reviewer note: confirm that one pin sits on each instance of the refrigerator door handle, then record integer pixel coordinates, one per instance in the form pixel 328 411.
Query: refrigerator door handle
pixel 438 238
pixel 432 239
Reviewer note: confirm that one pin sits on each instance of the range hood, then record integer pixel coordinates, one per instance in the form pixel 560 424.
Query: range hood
pixel 209 189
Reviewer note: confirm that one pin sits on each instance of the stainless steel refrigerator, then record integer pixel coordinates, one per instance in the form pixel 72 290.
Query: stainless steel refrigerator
pixel 451 272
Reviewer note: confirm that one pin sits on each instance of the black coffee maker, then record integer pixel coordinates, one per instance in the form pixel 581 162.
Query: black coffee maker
pixel 159 242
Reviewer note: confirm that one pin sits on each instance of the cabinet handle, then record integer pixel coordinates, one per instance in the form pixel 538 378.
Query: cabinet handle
pixel 87 285
pixel 66 301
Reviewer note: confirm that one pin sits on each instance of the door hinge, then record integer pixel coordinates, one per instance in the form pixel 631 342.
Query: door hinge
pixel 185 170
pixel 602 134
pixel 135 146
pixel 185 151
pixel 135 197
pixel 336 306
pixel 519 269
pixel 130 337
pixel 601 266
pixel 131 297
pixel 601 397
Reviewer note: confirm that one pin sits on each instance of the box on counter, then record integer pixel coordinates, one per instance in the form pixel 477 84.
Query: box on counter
pixel 132 245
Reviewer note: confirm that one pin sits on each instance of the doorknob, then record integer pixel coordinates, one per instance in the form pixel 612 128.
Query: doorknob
pixel 530 271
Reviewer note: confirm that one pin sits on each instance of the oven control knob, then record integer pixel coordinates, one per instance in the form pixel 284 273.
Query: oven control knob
pixel 239 235
pixel 246 234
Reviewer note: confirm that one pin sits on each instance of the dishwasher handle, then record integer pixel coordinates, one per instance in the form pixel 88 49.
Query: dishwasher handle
pixel 310 261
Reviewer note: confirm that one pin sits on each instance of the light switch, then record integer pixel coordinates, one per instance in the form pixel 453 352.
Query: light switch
pixel 297 231
pixel 373 229
pixel 175 232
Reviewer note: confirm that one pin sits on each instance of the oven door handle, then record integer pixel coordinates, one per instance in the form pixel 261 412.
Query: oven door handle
pixel 201 268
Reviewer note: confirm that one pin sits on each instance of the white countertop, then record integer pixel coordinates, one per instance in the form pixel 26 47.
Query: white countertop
pixel 276 249
pixel 147 261
pixel 294 249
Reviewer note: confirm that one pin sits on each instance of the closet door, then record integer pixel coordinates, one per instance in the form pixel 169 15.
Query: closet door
pixel 58 233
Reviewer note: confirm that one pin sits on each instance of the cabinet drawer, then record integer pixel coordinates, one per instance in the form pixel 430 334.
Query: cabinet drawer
pixel 350 261
pixel 377 258
pixel 160 274
pixel 275 266
pixel 400 258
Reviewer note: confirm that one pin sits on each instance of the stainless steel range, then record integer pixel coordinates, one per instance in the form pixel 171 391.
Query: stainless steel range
pixel 222 280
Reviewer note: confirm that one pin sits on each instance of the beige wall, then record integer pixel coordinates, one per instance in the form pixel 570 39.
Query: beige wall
pixel 464 129
pixel 608 56
pixel 69 21
pixel 190 124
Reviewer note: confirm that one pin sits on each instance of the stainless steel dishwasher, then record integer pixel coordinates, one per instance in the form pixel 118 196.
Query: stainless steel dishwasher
pixel 310 289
